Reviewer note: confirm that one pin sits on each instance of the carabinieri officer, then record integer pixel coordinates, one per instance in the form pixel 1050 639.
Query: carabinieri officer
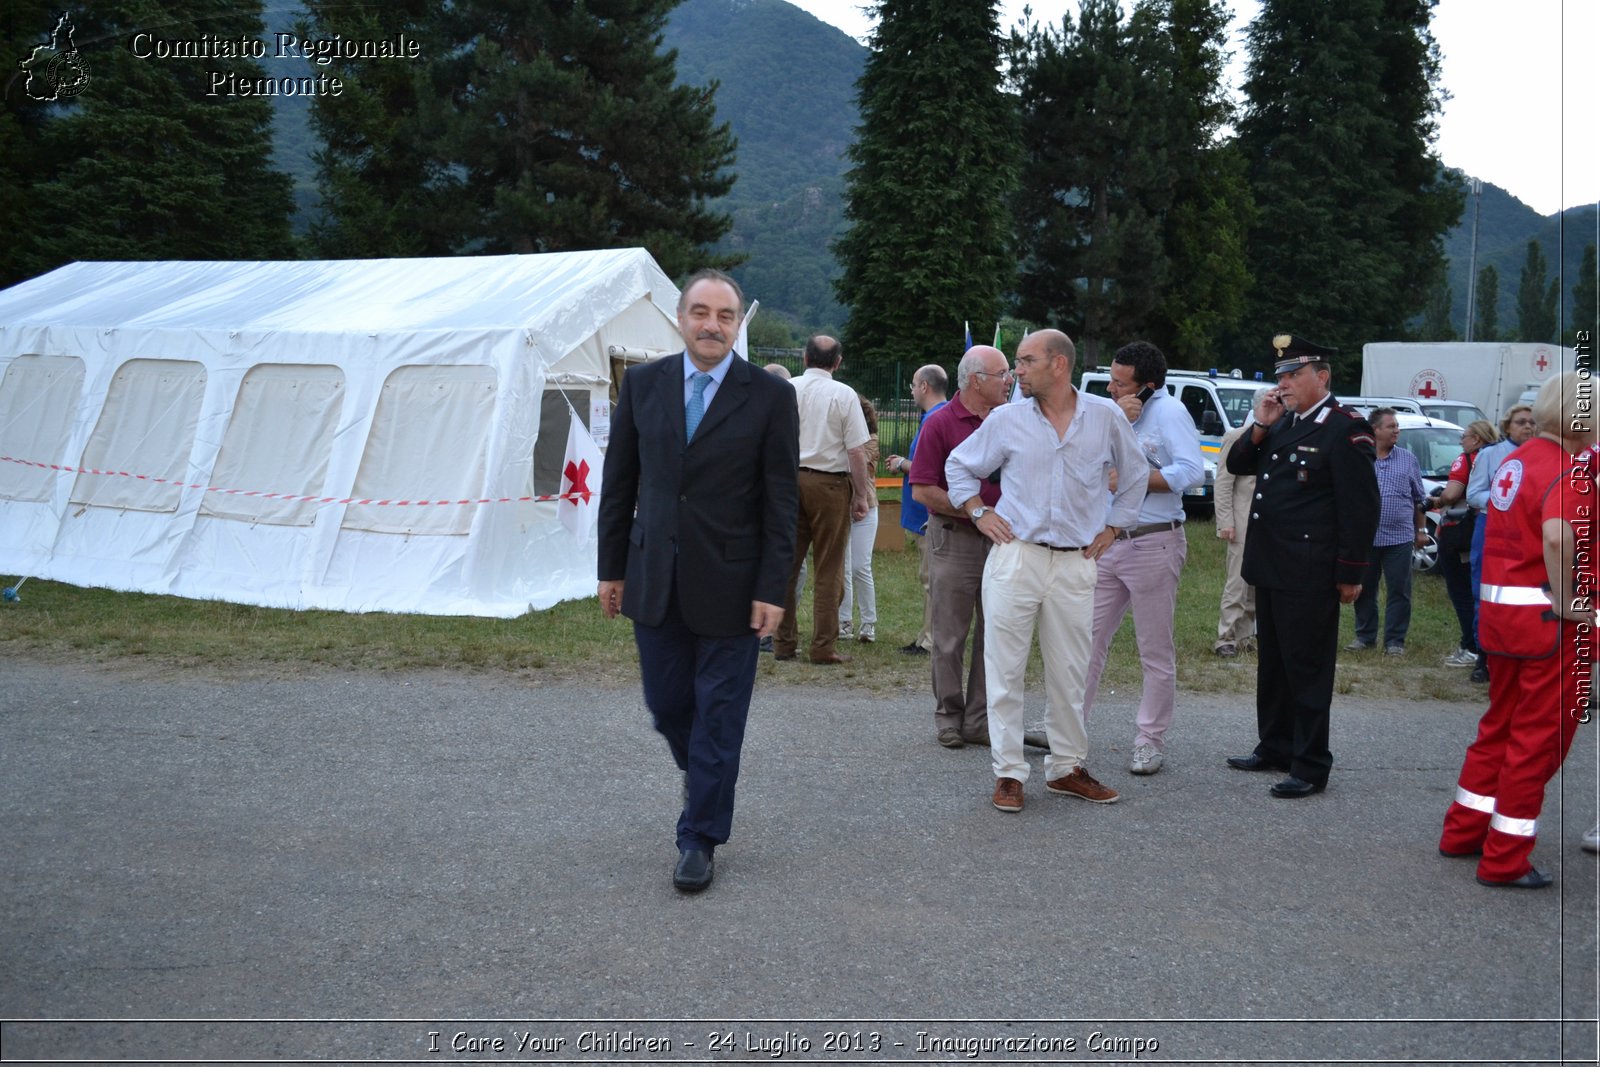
pixel 1311 525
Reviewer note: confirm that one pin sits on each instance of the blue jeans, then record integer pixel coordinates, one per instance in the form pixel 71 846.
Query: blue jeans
pixel 1393 564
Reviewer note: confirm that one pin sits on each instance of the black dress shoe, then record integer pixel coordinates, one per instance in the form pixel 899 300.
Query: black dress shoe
pixel 694 870
pixel 1254 762
pixel 1292 787
pixel 1534 879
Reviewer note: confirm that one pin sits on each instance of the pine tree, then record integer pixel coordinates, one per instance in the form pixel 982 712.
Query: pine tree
pixel 1585 303
pixel 1436 324
pixel 153 160
pixel 1352 203
pixel 1536 299
pixel 1134 215
pixel 527 126
pixel 1487 298
pixel 1095 185
pixel 929 238
pixel 26 25
pixel 1206 228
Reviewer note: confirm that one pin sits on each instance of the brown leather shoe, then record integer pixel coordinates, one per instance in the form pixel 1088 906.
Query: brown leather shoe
pixel 830 658
pixel 1082 785
pixel 1008 794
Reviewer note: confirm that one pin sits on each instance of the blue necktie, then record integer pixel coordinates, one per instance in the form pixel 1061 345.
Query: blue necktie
pixel 696 409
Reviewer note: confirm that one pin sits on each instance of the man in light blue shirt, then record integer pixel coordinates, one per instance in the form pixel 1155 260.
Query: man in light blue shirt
pixel 1054 452
pixel 1142 567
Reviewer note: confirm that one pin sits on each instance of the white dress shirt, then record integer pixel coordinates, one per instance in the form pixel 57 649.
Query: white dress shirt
pixel 1052 488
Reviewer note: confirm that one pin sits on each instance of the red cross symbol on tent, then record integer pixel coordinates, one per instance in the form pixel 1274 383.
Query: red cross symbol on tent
pixel 577 475
pixel 1542 361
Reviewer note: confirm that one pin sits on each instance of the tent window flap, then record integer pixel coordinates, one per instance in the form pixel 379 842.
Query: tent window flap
pixel 428 442
pixel 277 444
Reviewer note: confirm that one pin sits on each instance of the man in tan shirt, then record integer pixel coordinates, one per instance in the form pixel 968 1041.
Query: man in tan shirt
pixel 835 490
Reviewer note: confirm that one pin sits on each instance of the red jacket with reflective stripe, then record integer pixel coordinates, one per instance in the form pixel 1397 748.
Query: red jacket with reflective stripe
pixel 1536 482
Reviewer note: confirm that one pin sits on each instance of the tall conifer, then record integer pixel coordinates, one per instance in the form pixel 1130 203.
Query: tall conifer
pixel 152 160
pixel 1132 214
pixel 526 126
pixel 1536 298
pixel 929 243
pixel 1352 203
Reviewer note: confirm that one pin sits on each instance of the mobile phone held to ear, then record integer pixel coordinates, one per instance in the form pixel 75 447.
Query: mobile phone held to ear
pixel 1146 393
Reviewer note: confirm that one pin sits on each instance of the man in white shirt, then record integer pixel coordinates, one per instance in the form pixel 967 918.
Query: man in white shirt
pixel 1054 453
pixel 1142 567
pixel 835 491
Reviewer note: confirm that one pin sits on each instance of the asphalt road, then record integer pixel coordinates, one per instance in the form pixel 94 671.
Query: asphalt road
pixel 343 868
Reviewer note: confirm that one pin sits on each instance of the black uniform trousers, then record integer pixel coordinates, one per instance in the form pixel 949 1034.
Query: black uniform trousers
pixel 1297 642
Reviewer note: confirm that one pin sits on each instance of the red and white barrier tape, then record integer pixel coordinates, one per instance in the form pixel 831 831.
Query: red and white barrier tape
pixel 580 492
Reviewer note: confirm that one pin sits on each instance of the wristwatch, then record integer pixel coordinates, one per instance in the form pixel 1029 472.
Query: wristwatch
pixel 978 512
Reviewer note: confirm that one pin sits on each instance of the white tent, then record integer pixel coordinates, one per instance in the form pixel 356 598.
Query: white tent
pixel 281 433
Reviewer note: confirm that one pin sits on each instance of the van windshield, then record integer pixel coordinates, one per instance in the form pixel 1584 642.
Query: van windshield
pixel 1436 447
pixel 1237 401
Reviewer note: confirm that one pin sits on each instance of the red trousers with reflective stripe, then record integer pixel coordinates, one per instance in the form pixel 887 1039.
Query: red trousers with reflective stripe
pixel 1522 739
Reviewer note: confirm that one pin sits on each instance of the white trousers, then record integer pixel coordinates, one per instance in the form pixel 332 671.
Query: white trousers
pixel 1024 584
pixel 858 572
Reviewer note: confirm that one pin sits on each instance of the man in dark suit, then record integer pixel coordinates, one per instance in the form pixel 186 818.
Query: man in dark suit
pixel 697 528
pixel 1311 525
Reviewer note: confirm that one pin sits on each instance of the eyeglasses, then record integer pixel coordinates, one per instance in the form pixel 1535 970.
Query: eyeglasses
pixel 1002 375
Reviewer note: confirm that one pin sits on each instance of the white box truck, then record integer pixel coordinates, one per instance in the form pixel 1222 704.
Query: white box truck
pixel 1490 374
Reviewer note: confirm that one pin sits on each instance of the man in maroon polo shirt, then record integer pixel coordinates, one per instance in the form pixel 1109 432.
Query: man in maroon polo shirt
pixel 956 550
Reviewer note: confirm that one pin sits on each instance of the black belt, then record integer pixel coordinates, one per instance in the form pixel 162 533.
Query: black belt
pixel 831 474
pixel 1057 548
pixel 1148 528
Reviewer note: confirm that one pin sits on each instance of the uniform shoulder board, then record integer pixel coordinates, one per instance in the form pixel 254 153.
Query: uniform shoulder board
pixel 1363 436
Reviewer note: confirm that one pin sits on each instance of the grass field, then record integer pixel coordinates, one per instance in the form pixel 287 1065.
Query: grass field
pixel 59 622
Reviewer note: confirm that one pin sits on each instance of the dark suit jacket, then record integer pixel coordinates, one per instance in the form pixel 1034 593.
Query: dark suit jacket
pixel 718 515
pixel 1316 501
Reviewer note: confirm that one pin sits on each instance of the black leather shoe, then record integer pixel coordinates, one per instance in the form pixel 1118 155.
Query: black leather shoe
pixel 1292 787
pixel 1534 879
pixel 1474 854
pixel 694 870
pixel 1254 762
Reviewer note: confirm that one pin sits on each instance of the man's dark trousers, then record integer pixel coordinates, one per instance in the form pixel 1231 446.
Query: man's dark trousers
pixel 682 671
pixel 1297 638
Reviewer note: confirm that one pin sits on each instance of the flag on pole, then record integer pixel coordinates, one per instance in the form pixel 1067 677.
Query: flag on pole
pixel 968 326
pixel 580 481
pixel 741 346
pixel 997 343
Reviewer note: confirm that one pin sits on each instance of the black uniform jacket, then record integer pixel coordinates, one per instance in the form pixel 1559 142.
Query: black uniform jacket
pixel 1316 502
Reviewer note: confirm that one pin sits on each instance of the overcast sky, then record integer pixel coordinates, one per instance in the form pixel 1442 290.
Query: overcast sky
pixel 1510 120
